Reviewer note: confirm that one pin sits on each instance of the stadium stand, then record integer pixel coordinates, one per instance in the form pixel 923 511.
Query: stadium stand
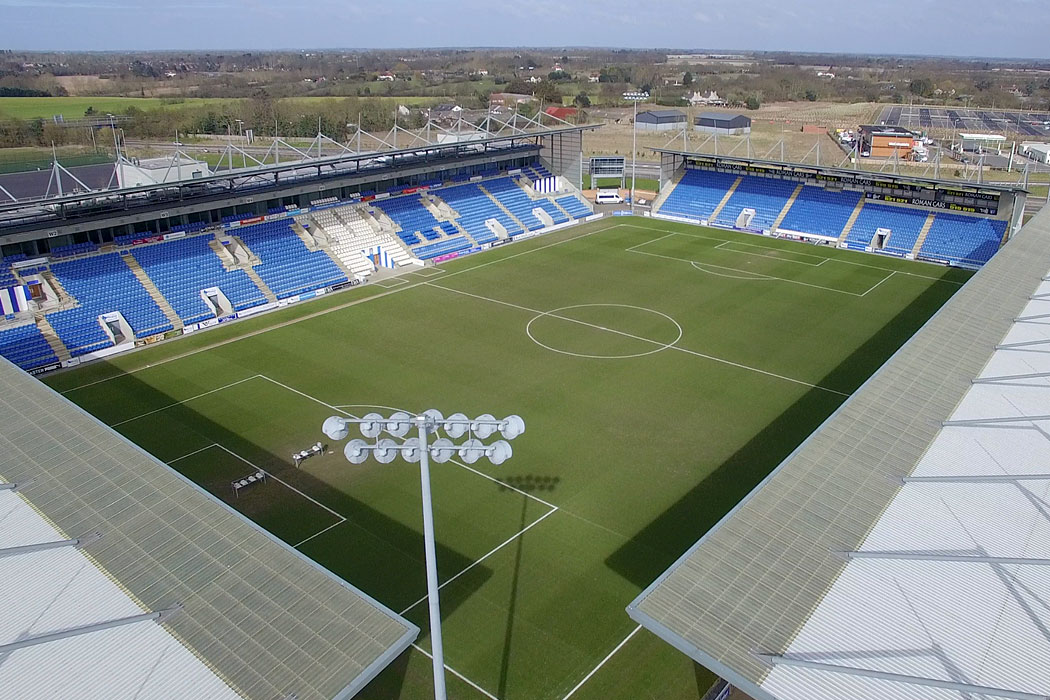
pixel 288 267
pixel 957 238
pixel 767 197
pixel 102 284
pixel 572 204
pixel 517 202
pixel 444 247
pixel 821 212
pixel 698 194
pixel 182 268
pixel 474 209
pixel 415 220
pixel 904 223
pixel 25 346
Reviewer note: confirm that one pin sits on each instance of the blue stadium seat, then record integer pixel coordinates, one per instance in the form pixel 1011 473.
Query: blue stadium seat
pixel 25 346
pixel 102 284
pixel 820 211
pixel 474 208
pixel 287 266
pixel 970 240
pixel 182 268
pixel 698 194
pixel 905 225
pixel 765 195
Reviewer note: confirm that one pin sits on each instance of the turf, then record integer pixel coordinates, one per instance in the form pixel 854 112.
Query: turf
pixel 685 363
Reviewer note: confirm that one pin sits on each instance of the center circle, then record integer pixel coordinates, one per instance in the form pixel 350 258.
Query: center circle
pixel 560 314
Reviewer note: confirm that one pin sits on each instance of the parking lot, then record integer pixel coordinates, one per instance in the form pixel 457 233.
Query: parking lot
pixel 1026 125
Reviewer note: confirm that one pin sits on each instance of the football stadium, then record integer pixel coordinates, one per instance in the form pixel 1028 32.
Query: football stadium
pixel 782 426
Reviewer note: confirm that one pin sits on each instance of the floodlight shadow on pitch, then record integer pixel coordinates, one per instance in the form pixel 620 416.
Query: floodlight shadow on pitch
pixel 512 427
pixel 399 424
pixel 457 426
pixel 373 425
pixel 335 428
pixel 356 451
pixel 484 425
pixel 442 450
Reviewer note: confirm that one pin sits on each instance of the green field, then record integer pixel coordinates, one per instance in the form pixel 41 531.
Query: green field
pixel 662 370
pixel 74 107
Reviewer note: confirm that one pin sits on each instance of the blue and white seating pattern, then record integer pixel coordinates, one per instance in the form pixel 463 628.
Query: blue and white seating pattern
pixel 287 266
pixel 102 284
pixel 698 194
pixel 443 247
pixel 820 211
pixel 766 196
pixel 964 239
pixel 572 204
pixel 510 195
pixel 180 269
pixel 474 208
pixel 905 225
pixel 25 346
pixel 414 219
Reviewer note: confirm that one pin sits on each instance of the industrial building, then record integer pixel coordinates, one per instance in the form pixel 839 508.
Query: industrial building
pixel 720 123
pixel 880 141
pixel 661 120
pixel 1039 152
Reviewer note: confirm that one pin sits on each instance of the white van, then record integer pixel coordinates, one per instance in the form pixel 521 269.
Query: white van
pixel 608 197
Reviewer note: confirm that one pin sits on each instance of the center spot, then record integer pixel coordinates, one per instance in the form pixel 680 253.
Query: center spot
pixel 604 331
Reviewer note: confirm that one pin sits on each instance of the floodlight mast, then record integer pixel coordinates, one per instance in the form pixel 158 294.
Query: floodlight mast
pixel 420 449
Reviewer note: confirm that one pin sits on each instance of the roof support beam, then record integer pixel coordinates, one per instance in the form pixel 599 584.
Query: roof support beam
pixel 1033 317
pixel 992 421
pixel 44 546
pixel 931 556
pixel 1023 344
pixel 1008 377
pixel 974 479
pixel 780 660
pixel 158 616
pixel 9 487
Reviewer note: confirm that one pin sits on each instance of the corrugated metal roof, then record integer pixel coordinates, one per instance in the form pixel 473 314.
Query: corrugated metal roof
pixel 767 577
pixel 263 617
pixel 662 114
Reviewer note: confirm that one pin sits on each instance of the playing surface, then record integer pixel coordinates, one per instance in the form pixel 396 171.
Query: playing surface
pixel 662 370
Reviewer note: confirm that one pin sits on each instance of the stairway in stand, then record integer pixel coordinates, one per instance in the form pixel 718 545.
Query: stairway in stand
pixel 57 346
pixel 154 293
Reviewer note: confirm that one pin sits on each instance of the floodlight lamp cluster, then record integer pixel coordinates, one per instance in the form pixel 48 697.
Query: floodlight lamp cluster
pixel 411 449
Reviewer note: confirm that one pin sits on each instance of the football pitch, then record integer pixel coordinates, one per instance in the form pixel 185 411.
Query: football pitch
pixel 662 370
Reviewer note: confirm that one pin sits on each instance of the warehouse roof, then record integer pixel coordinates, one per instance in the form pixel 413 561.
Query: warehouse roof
pixel 721 116
pixel 245 614
pixel 900 553
pixel 663 114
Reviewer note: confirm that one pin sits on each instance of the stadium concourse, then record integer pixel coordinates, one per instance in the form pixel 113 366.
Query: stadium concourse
pixel 902 551
pixel 123 579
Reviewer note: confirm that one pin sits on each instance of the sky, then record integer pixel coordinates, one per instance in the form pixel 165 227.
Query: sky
pixel 1006 28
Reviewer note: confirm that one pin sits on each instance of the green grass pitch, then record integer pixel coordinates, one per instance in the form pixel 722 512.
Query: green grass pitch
pixel 662 370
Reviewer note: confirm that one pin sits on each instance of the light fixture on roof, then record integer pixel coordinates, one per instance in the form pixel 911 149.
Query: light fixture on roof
pixel 420 449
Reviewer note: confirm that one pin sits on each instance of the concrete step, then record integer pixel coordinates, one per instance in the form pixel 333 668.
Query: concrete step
pixel 725 200
pixel 786 209
pixel 926 226
pixel 852 220
pixel 57 346
pixel 254 277
pixel 503 208
pixel 154 293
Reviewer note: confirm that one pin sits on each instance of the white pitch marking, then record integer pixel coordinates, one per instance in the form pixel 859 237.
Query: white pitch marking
pixel 649 340
pixel 177 403
pixel 878 283
pixel 495 549
pixel 457 674
pixel 602 662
